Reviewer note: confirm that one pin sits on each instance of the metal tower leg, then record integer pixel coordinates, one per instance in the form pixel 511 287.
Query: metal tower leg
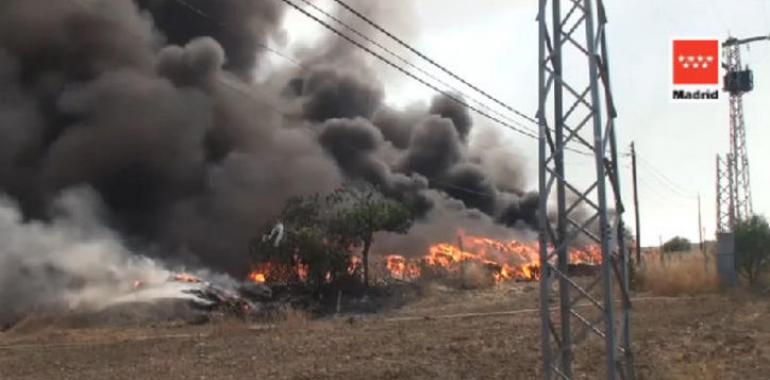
pixel 724 196
pixel 576 117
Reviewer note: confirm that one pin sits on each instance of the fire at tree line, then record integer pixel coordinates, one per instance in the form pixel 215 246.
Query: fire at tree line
pixel 318 250
pixel 324 242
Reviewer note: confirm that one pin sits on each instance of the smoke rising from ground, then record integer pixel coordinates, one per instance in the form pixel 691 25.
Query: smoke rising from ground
pixel 153 107
pixel 70 262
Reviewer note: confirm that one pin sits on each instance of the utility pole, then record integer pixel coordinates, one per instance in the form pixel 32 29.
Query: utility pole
pixel 636 206
pixel 700 237
pixel 700 227
pixel 660 249
pixel 576 116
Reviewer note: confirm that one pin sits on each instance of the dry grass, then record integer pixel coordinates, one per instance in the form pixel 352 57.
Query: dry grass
pixel 706 337
pixel 686 273
pixel 228 326
pixel 292 319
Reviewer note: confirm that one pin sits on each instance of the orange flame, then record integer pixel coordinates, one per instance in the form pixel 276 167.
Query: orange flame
pixel 400 268
pixel 507 260
pixel 355 264
pixel 185 277
pixel 262 272
pixel 503 260
pixel 272 272
pixel 258 278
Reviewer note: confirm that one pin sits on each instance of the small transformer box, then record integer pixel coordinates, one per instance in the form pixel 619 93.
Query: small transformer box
pixel 738 82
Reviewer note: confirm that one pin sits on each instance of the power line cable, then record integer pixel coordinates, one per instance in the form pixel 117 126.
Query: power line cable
pixel 511 126
pixel 203 14
pixel 433 62
pixel 658 174
pixel 652 195
pixel 411 75
pixel 663 179
pixel 230 85
pixel 673 191
pixel 452 74
pixel 235 86
pixel 223 80
pixel 361 46
pixel 403 60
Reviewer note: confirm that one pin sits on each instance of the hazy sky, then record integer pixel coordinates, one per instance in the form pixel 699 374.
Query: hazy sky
pixel 493 44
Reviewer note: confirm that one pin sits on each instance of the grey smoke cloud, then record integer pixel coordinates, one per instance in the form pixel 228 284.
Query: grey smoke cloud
pixel 176 155
pixel 153 108
pixel 71 262
pixel 242 27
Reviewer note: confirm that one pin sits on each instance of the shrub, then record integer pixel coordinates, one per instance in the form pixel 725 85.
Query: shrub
pixel 752 248
pixel 677 244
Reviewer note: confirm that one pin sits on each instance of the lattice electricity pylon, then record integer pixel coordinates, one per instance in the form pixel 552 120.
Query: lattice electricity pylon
pixel 576 116
pixel 741 187
pixel 725 196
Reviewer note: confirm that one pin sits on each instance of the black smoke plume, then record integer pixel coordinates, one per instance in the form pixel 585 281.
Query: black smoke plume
pixel 152 105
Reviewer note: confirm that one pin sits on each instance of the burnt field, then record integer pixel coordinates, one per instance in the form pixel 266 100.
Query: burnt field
pixel 446 333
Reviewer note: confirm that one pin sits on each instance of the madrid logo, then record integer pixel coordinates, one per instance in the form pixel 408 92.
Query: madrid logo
pixel 695 70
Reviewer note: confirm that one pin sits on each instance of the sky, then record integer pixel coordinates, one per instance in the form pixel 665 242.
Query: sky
pixel 493 44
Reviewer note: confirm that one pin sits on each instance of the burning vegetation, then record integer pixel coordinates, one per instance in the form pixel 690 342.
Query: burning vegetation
pixel 186 141
pixel 504 260
pixel 324 242
pixel 500 260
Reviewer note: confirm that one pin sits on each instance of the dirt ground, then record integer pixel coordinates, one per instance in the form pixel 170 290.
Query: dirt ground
pixel 447 334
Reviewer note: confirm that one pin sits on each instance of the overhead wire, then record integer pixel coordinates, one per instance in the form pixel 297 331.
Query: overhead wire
pixel 518 127
pixel 664 180
pixel 433 62
pixel 232 85
pixel 402 59
pixel 359 45
pixel 655 191
pixel 515 126
pixel 203 14
pixel 235 86
pixel 447 71
pixel 225 82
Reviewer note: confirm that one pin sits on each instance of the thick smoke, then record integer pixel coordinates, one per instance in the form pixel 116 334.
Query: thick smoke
pixel 71 262
pixel 242 27
pixel 178 149
pixel 405 151
pixel 152 105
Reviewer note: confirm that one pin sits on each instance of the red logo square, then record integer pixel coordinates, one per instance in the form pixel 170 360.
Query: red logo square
pixel 696 62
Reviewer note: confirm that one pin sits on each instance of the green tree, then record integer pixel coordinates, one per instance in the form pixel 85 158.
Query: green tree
pixel 752 247
pixel 321 232
pixel 677 244
pixel 303 240
pixel 360 212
